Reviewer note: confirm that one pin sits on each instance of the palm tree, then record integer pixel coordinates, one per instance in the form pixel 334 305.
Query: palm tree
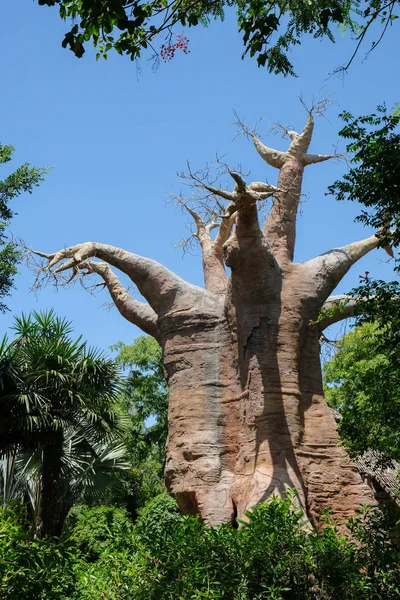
pixel 89 471
pixel 57 403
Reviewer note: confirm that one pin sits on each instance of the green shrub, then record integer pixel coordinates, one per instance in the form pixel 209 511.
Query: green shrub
pixel 272 556
pixel 157 520
pixel 94 530
pixel 263 559
pixel 165 556
pixel 32 569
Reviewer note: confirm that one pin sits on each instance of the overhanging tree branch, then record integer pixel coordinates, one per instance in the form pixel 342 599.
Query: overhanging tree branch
pixel 137 313
pixel 161 287
pixel 336 309
pixel 329 268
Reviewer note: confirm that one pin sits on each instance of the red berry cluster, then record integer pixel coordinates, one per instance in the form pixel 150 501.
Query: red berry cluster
pixel 168 52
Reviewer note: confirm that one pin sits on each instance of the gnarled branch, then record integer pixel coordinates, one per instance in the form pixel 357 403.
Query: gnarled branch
pixel 161 287
pixel 313 159
pixel 336 309
pixel 224 231
pixel 329 268
pixel 301 141
pixel 215 277
pixel 138 313
pixel 274 158
pixel 243 196
pixel 280 226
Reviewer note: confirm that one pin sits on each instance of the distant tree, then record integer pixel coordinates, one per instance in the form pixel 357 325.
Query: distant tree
pixel 365 372
pixel 270 28
pixel 145 392
pixel 145 400
pixel 57 401
pixel 363 384
pixel 24 179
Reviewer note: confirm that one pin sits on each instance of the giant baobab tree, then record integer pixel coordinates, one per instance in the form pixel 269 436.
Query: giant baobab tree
pixel 247 416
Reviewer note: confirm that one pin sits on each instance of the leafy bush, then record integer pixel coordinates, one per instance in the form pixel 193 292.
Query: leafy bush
pixel 31 568
pixel 272 556
pixel 95 530
pixel 165 556
pixel 157 520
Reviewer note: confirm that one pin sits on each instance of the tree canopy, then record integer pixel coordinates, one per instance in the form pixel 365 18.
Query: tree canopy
pixel 373 179
pixel 145 401
pixel 362 383
pixel 270 28
pixel 24 179
pixel 363 377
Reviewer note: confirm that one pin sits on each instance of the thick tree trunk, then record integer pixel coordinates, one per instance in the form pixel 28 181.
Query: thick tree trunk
pixel 50 516
pixel 247 415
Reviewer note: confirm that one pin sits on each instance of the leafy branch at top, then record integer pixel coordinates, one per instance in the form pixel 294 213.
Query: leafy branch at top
pixel 270 28
pixel 374 177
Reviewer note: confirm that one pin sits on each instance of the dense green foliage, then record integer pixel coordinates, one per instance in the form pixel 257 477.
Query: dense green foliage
pixel 145 394
pixel 164 556
pixel 57 399
pixel 157 519
pixel 365 373
pixel 363 385
pixel 31 568
pixel 374 177
pixel 24 179
pixel 96 530
pixel 145 401
pixel 270 28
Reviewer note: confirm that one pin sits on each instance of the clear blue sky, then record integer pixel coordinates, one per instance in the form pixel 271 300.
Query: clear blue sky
pixel 117 140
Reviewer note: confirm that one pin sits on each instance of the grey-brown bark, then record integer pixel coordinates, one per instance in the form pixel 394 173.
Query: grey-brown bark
pixel 247 417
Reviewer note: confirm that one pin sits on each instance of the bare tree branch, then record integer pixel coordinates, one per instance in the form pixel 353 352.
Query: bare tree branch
pixel 274 158
pixel 225 230
pixel 202 232
pixel 336 309
pixel 301 141
pixel 221 193
pixel 240 182
pixel 161 287
pixel 313 159
pixel 215 277
pixel 280 226
pixel 138 313
pixel 329 268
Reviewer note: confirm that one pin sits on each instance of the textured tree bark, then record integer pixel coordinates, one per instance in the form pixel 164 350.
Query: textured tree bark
pixel 50 521
pixel 247 417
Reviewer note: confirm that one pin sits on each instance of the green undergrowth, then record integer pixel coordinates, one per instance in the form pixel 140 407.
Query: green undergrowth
pixel 104 556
